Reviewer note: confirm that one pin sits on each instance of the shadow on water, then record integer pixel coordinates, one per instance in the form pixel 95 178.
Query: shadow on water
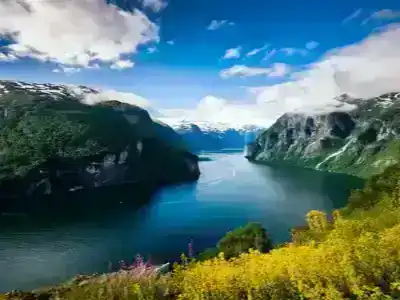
pixel 335 186
pixel 111 224
pixel 99 204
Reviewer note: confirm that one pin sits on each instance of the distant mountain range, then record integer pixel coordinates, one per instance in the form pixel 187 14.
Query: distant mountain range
pixel 215 136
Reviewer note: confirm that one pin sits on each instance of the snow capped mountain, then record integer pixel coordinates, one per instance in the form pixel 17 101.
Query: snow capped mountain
pixel 198 135
pixel 213 126
pixel 57 91
pixel 215 136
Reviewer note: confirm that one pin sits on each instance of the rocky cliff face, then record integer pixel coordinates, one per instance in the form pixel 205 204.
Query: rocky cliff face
pixel 209 137
pixel 51 142
pixel 362 141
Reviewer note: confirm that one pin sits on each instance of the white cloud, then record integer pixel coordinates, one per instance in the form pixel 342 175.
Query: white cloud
pixel 74 33
pixel 155 5
pixel 94 66
pixel 151 49
pixel 269 54
pixel 312 45
pixel 366 69
pixel 171 42
pixel 383 15
pixel 7 57
pixel 217 110
pixel 232 53
pixel 122 64
pixel 216 24
pixel 293 51
pixel 352 16
pixel 257 50
pixel 67 70
pixel 386 14
pixel 276 70
pixel 279 70
pixel 243 71
pixel 108 95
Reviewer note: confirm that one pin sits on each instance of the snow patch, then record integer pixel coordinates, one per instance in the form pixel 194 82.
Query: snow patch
pixel 213 126
pixel 333 155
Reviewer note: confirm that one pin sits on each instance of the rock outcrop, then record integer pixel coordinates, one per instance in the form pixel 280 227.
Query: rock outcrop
pixel 362 141
pixel 51 142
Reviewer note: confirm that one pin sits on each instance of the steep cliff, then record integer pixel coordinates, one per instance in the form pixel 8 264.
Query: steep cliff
pixel 362 141
pixel 51 142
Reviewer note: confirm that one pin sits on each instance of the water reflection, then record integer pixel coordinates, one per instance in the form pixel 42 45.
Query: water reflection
pixel 230 193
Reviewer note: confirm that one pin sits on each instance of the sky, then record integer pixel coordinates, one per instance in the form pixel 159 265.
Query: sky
pixel 238 62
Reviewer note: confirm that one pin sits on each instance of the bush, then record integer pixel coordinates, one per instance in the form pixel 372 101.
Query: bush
pixel 240 240
pixel 357 256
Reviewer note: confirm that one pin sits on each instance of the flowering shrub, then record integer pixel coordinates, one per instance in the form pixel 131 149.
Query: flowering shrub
pixel 358 258
pixel 354 256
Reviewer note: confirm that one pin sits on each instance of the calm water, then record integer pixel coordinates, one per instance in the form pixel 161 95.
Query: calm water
pixel 230 193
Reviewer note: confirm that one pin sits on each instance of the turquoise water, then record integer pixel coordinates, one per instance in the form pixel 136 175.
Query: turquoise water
pixel 230 193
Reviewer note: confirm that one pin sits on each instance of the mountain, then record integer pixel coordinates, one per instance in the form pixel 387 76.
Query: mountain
pixel 215 136
pixel 361 141
pixel 52 142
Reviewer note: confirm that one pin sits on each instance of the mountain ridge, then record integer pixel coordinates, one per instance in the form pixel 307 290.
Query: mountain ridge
pixel 215 136
pixel 52 141
pixel 361 141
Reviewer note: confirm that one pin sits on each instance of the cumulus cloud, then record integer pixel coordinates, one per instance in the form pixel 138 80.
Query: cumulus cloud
pixel 216 24
pixel 279 70
pixel 352 16
pixel 107 95
pixel 362 70
pixel 383 15
pixel 5 57
pixel 311 45
pixel 171 42
pixel 122 64
pixel 365 69
pixel 276 70
pixel 232 53
pixel 217 110
pixel 73 33
pixel 155 5
pixel 386 14
pixel 257 50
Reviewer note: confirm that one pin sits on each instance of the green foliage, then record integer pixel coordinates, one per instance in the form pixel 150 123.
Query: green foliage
pixel 377 187
pixel 35 130
pixel 33 139
pixel 353 256
pixel 240 240
pixel 208 254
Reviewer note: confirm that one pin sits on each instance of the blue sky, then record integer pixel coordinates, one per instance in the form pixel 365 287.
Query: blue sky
pixel 181 61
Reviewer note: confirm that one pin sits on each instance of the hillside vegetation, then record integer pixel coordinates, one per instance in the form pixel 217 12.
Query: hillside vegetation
pixel 353 254
pixel 362 140
pixel 52 142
